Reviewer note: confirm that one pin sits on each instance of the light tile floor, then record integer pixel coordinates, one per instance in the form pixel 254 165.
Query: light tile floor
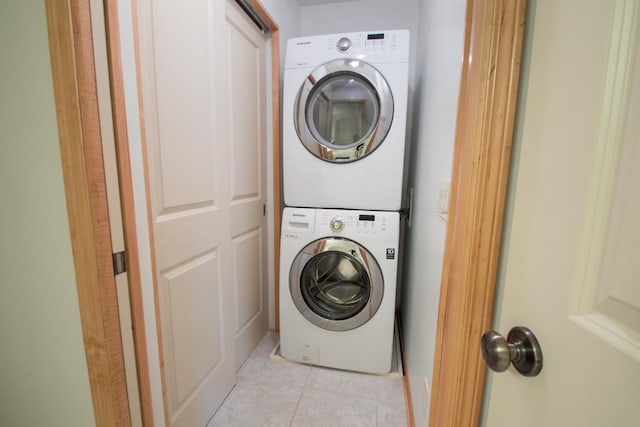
pixel 275 392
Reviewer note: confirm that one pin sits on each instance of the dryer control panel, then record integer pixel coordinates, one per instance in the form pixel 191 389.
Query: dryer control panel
pixel 365 42
pixel 391 46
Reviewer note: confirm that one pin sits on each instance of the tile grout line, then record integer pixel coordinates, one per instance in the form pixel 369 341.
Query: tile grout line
pixel 295 411
pixel 304 388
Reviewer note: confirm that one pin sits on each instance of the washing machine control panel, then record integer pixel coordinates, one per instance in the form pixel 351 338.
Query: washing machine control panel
pixel 358 222
pixel 369 224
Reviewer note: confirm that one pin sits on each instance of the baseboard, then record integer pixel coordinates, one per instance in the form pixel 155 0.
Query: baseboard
pixel 405 378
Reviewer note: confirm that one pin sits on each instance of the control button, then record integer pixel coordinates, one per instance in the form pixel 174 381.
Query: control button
pixel 344 44
pixel 337 224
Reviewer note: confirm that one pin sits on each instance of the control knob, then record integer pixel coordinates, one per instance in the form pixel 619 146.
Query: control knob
pixel 337 224
pixel 344 44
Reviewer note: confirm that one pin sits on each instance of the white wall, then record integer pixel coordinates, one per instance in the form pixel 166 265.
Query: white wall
pixel 287 14
pixel 439 59
pixel 360 15
pixel 43 370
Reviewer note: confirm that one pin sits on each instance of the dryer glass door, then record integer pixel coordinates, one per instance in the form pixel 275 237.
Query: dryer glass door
pixel 343 111
pixel 336 284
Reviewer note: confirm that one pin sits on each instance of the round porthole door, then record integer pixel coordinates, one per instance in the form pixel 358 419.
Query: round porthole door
pixel 336 284
pixel 343 111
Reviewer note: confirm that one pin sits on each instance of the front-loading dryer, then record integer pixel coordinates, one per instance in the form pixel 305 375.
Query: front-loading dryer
pixel 338 275
pixel 344 120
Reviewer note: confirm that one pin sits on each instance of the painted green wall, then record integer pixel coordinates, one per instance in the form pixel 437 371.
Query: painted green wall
pixel 43 370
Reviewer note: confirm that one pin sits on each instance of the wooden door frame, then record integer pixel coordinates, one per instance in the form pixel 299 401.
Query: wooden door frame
pixel 484 134
pixel 76 100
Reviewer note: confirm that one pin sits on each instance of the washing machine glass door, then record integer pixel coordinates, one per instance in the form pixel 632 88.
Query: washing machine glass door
pixel 336 284
pixel 343 111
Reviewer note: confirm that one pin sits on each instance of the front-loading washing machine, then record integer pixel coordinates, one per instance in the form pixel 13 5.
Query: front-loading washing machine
pixel 344 120
pixel 338 276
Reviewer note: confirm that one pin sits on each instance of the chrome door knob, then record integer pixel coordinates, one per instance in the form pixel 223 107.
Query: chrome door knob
pixel 520 348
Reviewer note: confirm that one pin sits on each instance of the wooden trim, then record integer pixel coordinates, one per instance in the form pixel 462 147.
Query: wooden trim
pixel 408 405
pixel 147 185
pixel 405 378
pixel 121 134
pixel 73 70
pixel 484 133
pixel 259 8
pixel 277 177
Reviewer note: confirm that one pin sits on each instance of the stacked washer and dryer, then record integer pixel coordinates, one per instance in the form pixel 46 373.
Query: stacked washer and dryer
pixel 344 119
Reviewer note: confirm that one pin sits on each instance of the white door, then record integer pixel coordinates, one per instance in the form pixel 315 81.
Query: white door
pixel 571 269
pixel 206 188
pixel 246 107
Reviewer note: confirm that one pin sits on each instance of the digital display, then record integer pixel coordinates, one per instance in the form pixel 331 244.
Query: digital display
pixel 367 217
pixel 377 36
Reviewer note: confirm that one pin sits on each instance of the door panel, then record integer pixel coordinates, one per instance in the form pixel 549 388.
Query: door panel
pixel 193 295
pixel 608 304
pixel 247 131
pixel 247 266
pixel 570 251
pixel 183 53
pixel 246 105
pixel 184 97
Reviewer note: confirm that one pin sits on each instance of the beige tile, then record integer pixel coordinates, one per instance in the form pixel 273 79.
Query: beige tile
pixel 344 382
pixel 319 408
pixel 259 367
pixel 269 391
pixel 251 403
pixel 390 390
pixel 392 414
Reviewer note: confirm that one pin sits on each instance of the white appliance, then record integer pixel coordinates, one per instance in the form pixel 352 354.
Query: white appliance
pixel 338 272
pixel 344 120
